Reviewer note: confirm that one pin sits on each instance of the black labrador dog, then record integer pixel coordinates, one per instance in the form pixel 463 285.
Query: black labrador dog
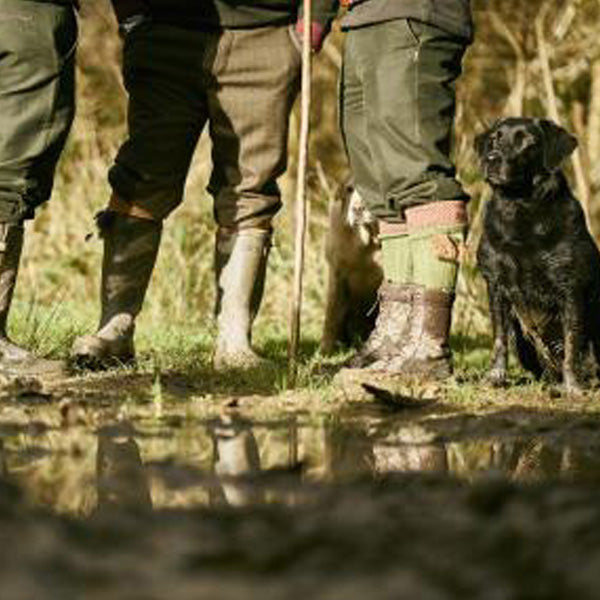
pixel 540 263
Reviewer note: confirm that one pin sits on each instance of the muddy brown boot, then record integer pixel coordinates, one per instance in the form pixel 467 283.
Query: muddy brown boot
pixel 130 251
pixel 425 352
pixel 394 298
pixel 14 360
pixel 240 269
pixel 391 326
pixel 421 352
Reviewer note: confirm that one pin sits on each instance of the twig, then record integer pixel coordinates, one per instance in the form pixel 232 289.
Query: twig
pixel 301 204
pixel 514 103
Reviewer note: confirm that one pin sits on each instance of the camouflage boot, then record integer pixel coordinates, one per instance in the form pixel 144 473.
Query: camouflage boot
pixel 391 326
pixel 240 270
pixel 425 353
pixel 14 360
pixel 130 251
pixel 394 298
pixel 436 235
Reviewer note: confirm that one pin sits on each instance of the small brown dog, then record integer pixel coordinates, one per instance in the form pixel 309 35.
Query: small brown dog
pixel 355 272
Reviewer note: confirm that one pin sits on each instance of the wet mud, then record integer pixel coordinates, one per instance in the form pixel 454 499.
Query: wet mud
pixel 140 486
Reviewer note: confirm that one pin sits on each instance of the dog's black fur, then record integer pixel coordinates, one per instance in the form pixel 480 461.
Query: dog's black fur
pixel 536 254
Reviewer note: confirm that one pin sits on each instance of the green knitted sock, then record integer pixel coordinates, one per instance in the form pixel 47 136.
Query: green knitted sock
pixel 435 253
pixel 395 253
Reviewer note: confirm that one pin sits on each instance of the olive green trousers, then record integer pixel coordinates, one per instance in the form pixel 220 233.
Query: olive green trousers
pixel 397 114
pixel 37 100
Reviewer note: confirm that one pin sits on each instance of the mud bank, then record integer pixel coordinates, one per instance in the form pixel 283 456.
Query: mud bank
pixel 406 536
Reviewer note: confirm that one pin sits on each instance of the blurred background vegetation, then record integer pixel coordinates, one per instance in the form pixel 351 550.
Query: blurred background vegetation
pixel 537 58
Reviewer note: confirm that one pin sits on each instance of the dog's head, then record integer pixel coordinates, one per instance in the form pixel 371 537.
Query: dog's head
pixel 516 150
pixel 354 214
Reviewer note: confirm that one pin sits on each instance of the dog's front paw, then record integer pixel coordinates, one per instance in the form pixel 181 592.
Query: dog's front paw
pixel 496 377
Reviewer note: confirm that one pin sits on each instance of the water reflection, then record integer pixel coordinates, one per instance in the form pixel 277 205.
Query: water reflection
pixel 237 462
pixel 121 480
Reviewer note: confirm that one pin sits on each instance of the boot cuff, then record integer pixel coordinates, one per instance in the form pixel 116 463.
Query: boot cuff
pixel 449 213
pixel 427 297
pixel 397 292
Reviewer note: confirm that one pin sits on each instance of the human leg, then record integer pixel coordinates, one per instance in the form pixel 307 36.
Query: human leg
pixel 249 153
pixel 166 115
pixel 37 46
pixel 408 74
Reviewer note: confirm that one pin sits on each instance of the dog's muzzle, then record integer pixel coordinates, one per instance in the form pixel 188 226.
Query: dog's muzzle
pixel 496 170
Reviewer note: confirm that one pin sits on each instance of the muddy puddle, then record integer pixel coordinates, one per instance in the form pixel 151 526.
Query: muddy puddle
pixel 171 500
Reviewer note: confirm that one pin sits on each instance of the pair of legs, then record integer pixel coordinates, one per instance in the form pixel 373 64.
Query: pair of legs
pixel 397 116
pixel 37 104
pixel 243 84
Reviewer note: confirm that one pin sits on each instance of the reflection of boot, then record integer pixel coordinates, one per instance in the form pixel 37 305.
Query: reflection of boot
pixel 236 459
pixel 240 269
pixel 15 360
pixel 130 250
pixel 120 477
pixel 410 448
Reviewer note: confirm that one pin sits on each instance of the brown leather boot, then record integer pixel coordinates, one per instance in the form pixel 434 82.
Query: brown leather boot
pixel 240 270
pixel 14 360
pixel 130 251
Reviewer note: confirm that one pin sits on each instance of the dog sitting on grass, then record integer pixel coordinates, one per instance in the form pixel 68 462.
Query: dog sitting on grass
pixel 355 273
pixel 540 263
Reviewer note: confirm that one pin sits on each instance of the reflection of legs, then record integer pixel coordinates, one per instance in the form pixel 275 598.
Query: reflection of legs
pixel 410 458
pixel 166 116
pixel 120 477
pixel 249 153
pixel 236 459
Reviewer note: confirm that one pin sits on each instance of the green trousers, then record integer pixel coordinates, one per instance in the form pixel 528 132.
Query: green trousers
pixel 397 114
pixel 37 100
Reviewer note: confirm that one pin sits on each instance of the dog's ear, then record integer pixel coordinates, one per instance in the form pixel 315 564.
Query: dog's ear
pixel 558 143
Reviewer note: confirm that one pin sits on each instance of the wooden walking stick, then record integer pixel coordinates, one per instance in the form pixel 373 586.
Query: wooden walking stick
pixel 300 211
